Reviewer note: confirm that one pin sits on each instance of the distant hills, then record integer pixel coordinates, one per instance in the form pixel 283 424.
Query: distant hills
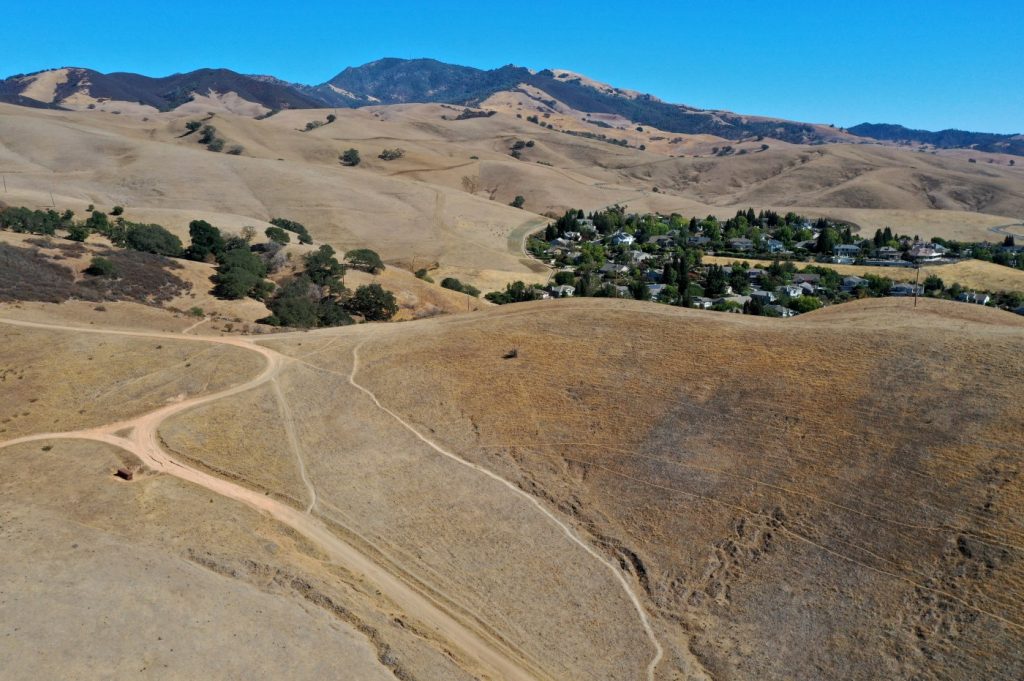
pixel 398 81
pixel 943 139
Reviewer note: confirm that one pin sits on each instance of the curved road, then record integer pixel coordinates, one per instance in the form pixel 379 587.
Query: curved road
pixel 139 435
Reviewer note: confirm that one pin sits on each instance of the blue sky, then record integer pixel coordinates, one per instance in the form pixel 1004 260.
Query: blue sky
pixel 933 65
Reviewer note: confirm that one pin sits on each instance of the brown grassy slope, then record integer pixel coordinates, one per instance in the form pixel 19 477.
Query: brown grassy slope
pixel 158 579
pixel 836 496
pixel 467 540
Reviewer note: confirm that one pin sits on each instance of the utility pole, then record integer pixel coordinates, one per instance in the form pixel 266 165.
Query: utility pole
pixel 917 280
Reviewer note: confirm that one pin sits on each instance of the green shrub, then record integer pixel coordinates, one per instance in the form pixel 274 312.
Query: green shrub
pixel 101 267
pixel 350 157
pixel 151 239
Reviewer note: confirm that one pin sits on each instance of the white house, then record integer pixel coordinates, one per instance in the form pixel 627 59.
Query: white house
pixel 976 298
pixel 563 291
pixel 848 250
pixel 620 238
pixel 791 290
pixel 741 244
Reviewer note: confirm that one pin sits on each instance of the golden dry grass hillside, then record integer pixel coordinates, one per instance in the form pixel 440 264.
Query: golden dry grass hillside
pixel 445 201
pixel 837 497
pixel 641 492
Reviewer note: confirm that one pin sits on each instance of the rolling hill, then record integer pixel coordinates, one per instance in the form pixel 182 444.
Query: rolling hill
pixel 643 492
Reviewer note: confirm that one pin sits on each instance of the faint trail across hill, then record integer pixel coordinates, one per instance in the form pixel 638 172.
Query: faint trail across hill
pixel 140 437
pixel 658 652
pixel 293 441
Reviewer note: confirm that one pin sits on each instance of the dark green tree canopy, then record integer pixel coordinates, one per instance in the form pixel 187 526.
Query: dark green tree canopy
pixel 373 302
pixel 365 259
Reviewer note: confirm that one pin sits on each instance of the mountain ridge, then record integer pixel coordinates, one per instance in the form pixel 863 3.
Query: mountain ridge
pixel 392 80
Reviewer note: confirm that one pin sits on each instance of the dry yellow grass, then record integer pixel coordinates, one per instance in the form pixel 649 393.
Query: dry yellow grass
pixel 971 274
pixel 418 208
pixel 161 579
pixel 831 496
pixel 63 380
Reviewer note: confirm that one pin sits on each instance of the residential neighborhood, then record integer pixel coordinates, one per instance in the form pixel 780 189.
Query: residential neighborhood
pixel 613 253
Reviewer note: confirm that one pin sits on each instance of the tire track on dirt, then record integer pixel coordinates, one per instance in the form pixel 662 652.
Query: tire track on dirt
pixel 634 599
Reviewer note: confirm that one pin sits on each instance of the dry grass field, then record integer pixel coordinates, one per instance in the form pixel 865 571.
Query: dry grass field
pixel 445 201
pixel 971 274
pixel 832 496
pixel 835 497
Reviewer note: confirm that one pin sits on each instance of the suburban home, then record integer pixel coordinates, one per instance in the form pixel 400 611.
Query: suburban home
pixel 808 245
pixel 850 283
pixel 904 289
pixel 613 269
pixel 779 311
pixel 623 291
pixel 888 253
pixel 563 291
pixel 925 252
pixel 774 246
pixel 560 243
pixel 585 223
pixel 574 236
pixel 848 250
pixel 741 244
pixel 653 276
pixel 663 241
pixel 702 303
pixel 807 278
pixel 791 290
pixel 739 300
pixel 620 238
pixel 807 288
pixel 655 289
pixel 764 297
pixel 976 298
pixel 637 257
pixel 574 256
pixel 698 240
pixel 754 274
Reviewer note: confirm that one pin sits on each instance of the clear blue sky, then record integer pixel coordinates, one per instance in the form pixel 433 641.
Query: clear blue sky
pixel 934 64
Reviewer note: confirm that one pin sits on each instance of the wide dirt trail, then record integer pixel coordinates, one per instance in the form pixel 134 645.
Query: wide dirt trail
pixel 139 436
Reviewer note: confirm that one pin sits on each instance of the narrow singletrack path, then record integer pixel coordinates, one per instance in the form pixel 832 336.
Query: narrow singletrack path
pixel 568 531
